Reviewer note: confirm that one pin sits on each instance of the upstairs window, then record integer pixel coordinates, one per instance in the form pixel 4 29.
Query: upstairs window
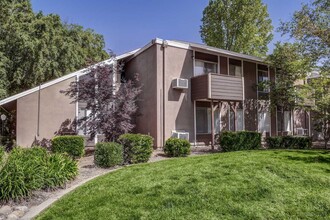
pixel 205 67
pixel 235 67
pixel 263 77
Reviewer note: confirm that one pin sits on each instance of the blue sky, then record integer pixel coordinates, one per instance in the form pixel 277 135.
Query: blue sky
pixel 130 24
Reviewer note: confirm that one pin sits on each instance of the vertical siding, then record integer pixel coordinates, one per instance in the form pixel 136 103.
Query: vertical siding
pixel 226 87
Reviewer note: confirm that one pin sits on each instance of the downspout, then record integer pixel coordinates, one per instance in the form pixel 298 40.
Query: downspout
pixel 164 45
pixel 38 125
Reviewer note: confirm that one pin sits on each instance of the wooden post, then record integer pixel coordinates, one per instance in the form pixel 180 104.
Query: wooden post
pixel 212 125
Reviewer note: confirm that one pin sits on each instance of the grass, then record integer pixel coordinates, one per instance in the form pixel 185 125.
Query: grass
pixel 276 184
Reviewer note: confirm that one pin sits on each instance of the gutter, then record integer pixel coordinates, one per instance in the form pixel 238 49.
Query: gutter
pixel 164 45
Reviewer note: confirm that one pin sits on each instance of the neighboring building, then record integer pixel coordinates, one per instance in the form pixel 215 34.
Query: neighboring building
pixel 189 90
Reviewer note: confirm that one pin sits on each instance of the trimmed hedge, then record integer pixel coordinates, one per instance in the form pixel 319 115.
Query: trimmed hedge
pixel 175 147
pixel 108 154
pixel 239 140
pixel 28 169
pixel 70 144
pixel 289 142
pixel 137 147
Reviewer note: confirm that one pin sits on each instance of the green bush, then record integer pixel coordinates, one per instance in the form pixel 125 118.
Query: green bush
pixel 28 169
pixel 240 140
pixel 175 147
pixel 2 156
pixel 289 142
pixel 137 147
pixel 70 144
pixel 60 169
pixel 108 154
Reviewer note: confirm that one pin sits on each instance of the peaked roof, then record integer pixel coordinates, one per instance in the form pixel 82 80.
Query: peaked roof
pixel 133 53
pixel 63 78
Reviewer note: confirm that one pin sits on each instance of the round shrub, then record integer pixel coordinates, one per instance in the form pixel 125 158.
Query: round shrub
pixel 70 144
pixel 137 147
pixel 175 147
pixel 108 154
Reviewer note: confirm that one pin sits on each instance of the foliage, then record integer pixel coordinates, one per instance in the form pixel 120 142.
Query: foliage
pixel 289 142
pixel 28 169
pixel 291 66
pixel 235 185
pixel 240 140
pixel 71 144
pixel 241 25
pixel 112 104
pixel 108 154
pixel 137 147
pixel 2 156
pixel 309 28
pixel 60 169
pixel 175 147
pixel 35 48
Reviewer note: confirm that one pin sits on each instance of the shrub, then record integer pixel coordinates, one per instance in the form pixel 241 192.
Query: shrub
pixel 240 140
pixel 108 154
pixel 60 169
pixel 175 147
pixel 28 169
pixel 274 142
pixel 70 144
pixel 289 142
pixel 137 147
pixel 2 156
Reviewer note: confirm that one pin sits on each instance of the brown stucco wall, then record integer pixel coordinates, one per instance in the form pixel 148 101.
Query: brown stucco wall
pixel 250 114
pixel 179 109
pixel 145 64
pixel 55 108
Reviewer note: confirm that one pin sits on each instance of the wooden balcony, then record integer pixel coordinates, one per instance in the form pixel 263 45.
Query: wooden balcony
pixel 217 87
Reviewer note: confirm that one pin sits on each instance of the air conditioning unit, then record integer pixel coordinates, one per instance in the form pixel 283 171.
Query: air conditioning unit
pixel 180 135
pixel 180 83
pixel 302 132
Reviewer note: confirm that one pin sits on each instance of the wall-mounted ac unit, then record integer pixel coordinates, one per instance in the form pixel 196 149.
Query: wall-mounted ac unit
pixel 302 132
pixel 180 83
pixel 180 135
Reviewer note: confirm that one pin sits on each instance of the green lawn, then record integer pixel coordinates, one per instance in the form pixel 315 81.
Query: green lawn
pixel 239 185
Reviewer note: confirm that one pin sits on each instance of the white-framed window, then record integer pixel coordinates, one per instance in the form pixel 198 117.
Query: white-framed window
pixel 239 117
pixel 263 76
pixel 235 67
pixel 82 112
pixel 203 120
pixel 284 121
pixel 264 121
pixel 204 67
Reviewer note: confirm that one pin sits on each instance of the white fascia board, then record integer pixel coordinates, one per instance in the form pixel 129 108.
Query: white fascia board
pixel 63 78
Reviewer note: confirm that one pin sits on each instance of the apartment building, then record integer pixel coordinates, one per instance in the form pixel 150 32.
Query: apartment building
pixel 189 90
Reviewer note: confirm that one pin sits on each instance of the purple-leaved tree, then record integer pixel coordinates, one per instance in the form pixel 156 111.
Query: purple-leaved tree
pixel 111 103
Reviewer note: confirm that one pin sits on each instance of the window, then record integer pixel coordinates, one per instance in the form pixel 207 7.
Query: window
pixel 239 117
pixel 203 120
pixel 262 77
pixel 235 67
pixel 284 121
pixel 204 67
pixel 264 122
pixel 82 112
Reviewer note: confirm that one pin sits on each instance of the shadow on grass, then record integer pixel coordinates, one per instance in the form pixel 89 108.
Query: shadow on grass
pixel 311 159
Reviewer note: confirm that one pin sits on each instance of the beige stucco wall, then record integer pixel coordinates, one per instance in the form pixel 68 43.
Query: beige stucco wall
pixel 145 65
pixel 179 109
pixel 55 108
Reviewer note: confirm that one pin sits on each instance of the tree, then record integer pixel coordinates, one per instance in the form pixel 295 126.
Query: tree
pixel 310 28
pixel 242 26
pixel 112 105
pixel 35 48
